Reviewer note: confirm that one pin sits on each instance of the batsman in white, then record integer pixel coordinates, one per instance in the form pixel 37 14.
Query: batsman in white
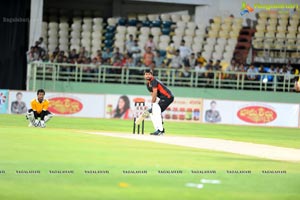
pixel 157 89
pixel 39 110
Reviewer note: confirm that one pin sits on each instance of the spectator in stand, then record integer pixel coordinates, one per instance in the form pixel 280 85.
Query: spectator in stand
pixel 73 56
pixel 192 60
pixel 150 43
pixel 185 52
pixel 201 70
pixel 186 74
pixel 117 55
pixel 107 56
pixel 125 59
pixel 148 57
pixel 136 52
pixel 158 59
pixel 30 54
pixel 176 62
pixel 129 63
pixel 289 66
pixel 271 69
pixel 42 44
pixel 84 52
pixel 200 59
pixel 209 68
pixel 170 52
pixel 230 70
pixel 129 44
pixel 55 54
pixel 95 65
pixel 217 66
pixel 297 84
pixel 99 56
pixel 252 73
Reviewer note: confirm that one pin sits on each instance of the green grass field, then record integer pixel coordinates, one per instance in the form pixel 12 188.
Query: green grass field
pixel 62 146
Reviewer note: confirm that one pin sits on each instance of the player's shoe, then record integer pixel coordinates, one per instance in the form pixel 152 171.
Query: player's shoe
pixel 30 124
pixel 42 124
pixel 158 132
pixel 36 123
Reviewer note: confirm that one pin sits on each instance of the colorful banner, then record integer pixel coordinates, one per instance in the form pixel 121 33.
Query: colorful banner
pixel 78 105
pixel 182 109
pixel 3 101
pixel 250 113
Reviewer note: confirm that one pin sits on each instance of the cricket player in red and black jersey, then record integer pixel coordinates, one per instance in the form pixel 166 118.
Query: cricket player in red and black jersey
pixel 157 89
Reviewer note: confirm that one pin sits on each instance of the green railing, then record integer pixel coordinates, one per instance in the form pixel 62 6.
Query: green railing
pixel 134 75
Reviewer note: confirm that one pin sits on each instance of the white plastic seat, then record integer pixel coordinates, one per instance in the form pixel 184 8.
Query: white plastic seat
pixel 200 32
pixel 97 27
pixel 191 25
pixel 162 45
pixel 229 48
pixel 63 33
pixel 165 17
pixel 63 41
pixel 185 18
pixel 121 29
pixel 152 17
pixel 132 30
pixel 142 17
pixel 53 40
pixel 52 47
pixel 179 31
pixel 75 34
pixel 189 32
pixel 221 41
pixel 217 56
pixel 145 30
pixel 98 20
pixel 87 20
pixel 177 38
pixel 181 24
pixel 63 47
pixel 206 55
pixel 75 41
pixel 96 42
pixel 208 48
pixel 63 26
pixel 76 26
pixel 198 40
pixel 53 25
pixel 52 32
pixel 120 37
pixel 164 38
pixel 175 17
pixel 188 39
pixel 112 21
pixel 155 31
pixel 196 48
pixel 85 34
pixel 232 42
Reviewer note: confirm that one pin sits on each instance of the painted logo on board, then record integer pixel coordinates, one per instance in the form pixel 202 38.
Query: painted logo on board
pixel 257 114
pixel 64 105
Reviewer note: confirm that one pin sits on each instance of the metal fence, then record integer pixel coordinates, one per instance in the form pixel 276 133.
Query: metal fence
pixel 171 77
